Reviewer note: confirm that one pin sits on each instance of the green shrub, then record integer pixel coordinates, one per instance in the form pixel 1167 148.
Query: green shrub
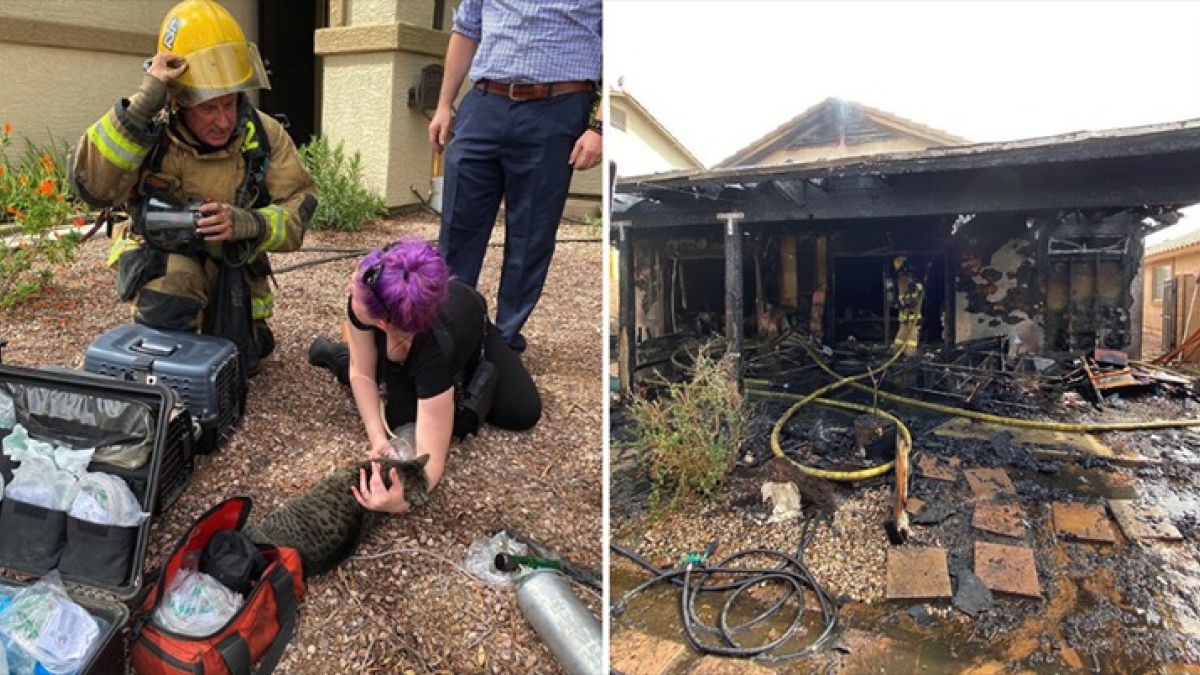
pixel 343 203
pixel 36 204
pixel 689 439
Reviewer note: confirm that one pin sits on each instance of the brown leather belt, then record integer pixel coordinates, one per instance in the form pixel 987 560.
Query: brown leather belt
pixel 521 91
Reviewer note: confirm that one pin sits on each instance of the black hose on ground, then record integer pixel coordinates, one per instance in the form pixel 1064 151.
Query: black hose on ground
pixel 696 577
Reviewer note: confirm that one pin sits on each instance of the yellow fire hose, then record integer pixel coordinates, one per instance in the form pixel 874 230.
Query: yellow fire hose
pixel 859 474
pixel 1071 427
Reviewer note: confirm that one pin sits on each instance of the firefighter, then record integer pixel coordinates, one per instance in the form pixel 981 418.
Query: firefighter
pixel 910 293
pixel 190 139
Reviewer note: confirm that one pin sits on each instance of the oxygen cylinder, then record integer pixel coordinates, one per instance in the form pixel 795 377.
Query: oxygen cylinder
pixel 561 619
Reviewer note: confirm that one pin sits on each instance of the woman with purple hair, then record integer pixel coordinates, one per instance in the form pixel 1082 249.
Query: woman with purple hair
pixel 423 337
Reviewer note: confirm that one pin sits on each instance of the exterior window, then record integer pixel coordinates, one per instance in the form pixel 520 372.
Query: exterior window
pixel 1161 274
pixel 618 119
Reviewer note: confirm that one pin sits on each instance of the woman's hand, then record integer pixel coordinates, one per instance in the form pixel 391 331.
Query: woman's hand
pixel 374 496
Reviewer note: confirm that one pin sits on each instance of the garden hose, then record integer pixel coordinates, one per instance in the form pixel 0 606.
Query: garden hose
pixel 695 577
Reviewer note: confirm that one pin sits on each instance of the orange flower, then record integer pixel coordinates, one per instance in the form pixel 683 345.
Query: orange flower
pixel 47 162
pixel 80 222
pixel 59 197
pixel 24 179
pixel 1 171
pixel 12 210
pixel 46 187
pixel 17 213
pixel 7 128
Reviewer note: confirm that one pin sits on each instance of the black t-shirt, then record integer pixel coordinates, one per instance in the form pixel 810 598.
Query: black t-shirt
pixel 427 368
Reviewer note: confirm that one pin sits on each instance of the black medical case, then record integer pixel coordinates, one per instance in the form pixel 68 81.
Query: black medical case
pixel 202 369
pixel 101 566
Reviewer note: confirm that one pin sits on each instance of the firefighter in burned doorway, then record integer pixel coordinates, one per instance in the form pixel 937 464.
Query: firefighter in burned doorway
pixel 211 185
pixel 909 293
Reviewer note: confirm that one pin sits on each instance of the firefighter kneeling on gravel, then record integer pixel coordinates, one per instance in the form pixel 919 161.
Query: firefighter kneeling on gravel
pixel 211 185
pixel 909 296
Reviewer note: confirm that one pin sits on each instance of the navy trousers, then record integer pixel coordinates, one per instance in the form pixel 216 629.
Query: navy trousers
pixel 518 152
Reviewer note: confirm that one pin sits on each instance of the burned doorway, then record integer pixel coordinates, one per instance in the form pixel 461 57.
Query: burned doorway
pixel 696 289
pixel 286 31
pixel 858 305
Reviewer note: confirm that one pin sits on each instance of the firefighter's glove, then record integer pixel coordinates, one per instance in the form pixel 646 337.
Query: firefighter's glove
pixel 247 224
pixel 146 102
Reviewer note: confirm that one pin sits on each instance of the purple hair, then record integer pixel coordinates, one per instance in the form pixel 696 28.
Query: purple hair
pixel 410 285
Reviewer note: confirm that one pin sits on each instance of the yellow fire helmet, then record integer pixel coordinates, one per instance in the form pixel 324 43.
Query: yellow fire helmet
pixel 220 60
pixel 899 262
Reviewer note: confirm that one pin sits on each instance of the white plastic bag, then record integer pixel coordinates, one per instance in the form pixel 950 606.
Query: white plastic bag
pixel 48 476
pixel 196 605
pixel 8 417
pixel 404 443
pixel 107 500
pixel 481 557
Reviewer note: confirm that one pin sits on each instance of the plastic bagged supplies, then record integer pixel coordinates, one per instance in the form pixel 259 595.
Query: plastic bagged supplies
pixel 8 413
pixel 43 622
pixel 48 476
pixel 196 605
pixel 107 500
pixel 38 482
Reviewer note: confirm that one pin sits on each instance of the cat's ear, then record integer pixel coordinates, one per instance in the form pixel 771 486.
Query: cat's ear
pixel 420 461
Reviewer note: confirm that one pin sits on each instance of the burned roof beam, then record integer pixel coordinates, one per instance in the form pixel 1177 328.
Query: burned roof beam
pixel 1111 185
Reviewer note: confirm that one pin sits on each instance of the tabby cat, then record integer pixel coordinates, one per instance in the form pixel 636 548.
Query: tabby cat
pixel 326 524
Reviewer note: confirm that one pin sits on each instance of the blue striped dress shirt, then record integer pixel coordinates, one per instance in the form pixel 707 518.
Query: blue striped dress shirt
pixel 532 40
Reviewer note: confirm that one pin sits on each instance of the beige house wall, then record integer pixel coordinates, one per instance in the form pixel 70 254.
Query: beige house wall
pixel 372 53
pixel 1183 261
pixel 64 62
pixel 368 69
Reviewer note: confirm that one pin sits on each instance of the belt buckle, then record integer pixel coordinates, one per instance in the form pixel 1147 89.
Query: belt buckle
pixel 512 92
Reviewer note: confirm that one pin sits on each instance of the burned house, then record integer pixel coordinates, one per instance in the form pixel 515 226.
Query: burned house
pixel 1038 240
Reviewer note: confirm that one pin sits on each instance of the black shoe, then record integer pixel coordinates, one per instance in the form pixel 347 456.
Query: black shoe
pixel 335 356
pixel 266 341
pixel 321 353
pixel 517 344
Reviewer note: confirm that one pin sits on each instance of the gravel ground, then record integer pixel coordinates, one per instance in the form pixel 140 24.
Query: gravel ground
pixel 406 604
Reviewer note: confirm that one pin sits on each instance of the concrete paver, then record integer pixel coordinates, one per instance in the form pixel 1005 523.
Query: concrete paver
pixel 1143 521
pixel 917 573
pixel 987 484
pixel 1003 519
pixel 1083 522
pixel 635 653
pixel 938 469
pixel 1007 569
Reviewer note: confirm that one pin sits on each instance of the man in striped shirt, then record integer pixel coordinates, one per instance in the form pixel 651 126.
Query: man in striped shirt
pixel 522 128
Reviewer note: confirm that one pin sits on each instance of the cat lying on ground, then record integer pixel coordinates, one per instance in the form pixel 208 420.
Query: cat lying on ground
pixel 326 524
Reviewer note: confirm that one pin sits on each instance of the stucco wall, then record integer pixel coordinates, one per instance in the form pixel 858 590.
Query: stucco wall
pixel 357 95
pixel 372 54
pixel 415 12
pixel 641 148
pixel 368 70
pixel 64 62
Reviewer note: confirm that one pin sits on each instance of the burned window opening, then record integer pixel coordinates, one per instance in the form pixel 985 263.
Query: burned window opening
pixel 860 308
